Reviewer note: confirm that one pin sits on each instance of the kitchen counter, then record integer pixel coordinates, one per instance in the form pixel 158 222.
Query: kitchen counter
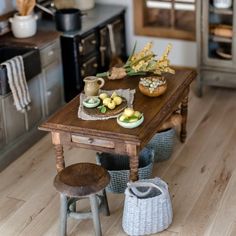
pixel 47 33
pixel 41 39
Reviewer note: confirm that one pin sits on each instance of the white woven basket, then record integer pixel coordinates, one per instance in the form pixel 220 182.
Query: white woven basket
pixel 147 208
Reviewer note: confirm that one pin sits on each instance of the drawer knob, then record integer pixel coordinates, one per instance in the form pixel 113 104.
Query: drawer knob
pixel 90 140
pixel 49 93
pixel 93 42
pixel 81 49
pixel 50 53
pixel 95 65
pixel 82 72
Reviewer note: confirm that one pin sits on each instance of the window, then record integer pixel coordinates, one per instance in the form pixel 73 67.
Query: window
pixel 165 18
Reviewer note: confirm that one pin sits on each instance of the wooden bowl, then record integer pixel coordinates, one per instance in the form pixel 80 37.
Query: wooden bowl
pixel 157 91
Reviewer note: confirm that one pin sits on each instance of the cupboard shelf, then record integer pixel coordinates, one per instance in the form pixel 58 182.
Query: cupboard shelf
pixel 220 39
pixel 221 11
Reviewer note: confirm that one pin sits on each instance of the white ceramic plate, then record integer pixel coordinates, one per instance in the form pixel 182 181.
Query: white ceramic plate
pixel 132 124
pixel 87 104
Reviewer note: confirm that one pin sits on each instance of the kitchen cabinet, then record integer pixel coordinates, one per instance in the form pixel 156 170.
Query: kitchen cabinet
pixel 20 130
pixel 35 114
pixel 88 51
pixel 216 47
pixel 14 121
pixel 2 133
pixel 51 78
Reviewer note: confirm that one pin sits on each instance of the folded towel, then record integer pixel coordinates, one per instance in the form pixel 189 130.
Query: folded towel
pixel 17 83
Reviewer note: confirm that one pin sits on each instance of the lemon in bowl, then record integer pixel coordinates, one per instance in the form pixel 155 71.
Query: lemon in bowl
pixel 91 102
pixel 130 119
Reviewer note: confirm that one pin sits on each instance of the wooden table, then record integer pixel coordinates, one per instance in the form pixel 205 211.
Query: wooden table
pixel 107 136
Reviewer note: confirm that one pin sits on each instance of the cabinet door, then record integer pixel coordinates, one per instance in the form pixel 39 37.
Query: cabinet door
pixel 2 132
pixel 213 23
pixel 87 44
pixel 117 27
pixel 53 87
pixel 35 114
pixel 89 67
pixel 14 120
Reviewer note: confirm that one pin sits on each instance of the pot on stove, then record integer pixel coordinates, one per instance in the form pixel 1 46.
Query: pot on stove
pixel 66 19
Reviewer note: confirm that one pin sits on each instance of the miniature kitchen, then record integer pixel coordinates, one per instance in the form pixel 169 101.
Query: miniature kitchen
pixel 117 118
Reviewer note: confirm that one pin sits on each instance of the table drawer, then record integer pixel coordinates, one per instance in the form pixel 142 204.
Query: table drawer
pixel 92 141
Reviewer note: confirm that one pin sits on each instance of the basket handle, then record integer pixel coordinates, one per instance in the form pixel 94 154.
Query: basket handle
pixel 134 185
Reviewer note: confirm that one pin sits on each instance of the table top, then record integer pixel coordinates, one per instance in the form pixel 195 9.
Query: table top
pixel 155 111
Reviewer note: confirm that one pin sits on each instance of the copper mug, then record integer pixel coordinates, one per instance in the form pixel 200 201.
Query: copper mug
pixel 92 85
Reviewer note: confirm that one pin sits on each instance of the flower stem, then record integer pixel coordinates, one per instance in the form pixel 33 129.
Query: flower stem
pixel 104 74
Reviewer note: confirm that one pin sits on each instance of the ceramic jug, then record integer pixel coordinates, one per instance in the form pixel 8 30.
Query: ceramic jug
pixel 23 26
pixel 92 85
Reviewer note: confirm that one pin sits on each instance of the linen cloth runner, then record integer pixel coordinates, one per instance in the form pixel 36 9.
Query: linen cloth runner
pixel 128 94
pixel 17 83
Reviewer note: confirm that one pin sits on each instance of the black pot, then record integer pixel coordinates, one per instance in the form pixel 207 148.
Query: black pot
pixel 68 19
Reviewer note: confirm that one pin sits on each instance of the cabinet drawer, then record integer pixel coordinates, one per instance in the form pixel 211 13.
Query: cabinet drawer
pixel 89 67
pixel 50 54
pixel 92 141
pixel 87 44
pixel 218 78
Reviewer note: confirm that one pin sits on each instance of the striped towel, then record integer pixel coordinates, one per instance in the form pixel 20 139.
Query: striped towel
pixel 17 83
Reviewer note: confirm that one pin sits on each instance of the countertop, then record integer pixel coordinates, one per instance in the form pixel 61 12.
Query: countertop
pixel 40 40
pixel 46 31
pixel 96 17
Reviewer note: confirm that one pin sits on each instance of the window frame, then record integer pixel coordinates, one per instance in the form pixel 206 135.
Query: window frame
pixel 163 32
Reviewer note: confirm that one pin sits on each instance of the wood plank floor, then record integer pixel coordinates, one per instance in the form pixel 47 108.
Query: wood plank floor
pixel 201 175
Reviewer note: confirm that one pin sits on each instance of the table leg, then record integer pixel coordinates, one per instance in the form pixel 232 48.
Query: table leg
pixel 133 161
pixel 184 114
pixel 58 147
pixel 60 163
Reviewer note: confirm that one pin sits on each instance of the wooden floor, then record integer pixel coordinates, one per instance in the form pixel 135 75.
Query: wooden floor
pixel 201 175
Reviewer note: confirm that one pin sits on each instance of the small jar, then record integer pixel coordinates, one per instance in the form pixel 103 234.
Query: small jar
pixel 23 26
pixel 222 3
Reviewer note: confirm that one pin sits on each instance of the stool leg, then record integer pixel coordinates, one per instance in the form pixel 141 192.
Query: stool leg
pixel 95 213
pixel 106 206
pixel 63 215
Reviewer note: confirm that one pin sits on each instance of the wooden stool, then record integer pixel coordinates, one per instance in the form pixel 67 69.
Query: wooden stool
pixel 82 180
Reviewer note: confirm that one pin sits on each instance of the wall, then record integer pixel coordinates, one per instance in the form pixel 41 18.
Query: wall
pixel 184 53
pixel 6 6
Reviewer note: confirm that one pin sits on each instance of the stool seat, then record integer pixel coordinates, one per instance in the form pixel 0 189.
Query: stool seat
pixel 81 179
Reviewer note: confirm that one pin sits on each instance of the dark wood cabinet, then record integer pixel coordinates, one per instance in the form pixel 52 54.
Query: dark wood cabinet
pixel 88 51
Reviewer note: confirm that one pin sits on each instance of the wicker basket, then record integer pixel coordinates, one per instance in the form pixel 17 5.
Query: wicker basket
pixel 162 143
pixel 118 168
pixel 147 208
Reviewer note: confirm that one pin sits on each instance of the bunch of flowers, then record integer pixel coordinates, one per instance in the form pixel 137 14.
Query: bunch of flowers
pixel 144 63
